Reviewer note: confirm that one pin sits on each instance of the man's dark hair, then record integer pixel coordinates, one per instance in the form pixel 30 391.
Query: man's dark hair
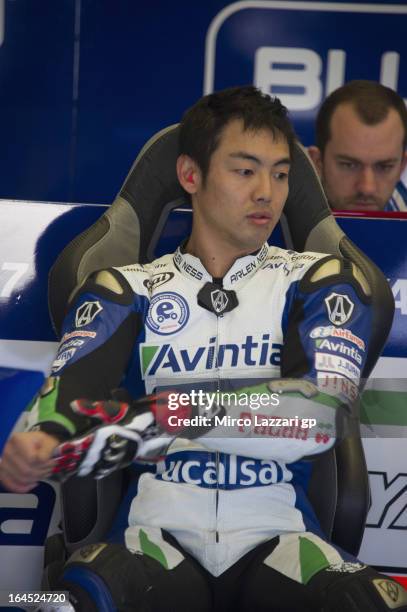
pixel 202 124
pixel 371 102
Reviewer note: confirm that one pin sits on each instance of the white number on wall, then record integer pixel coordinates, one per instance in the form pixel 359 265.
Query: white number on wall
pixel 10 274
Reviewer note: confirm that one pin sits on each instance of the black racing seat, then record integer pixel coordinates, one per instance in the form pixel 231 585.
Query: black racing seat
pixel 127 233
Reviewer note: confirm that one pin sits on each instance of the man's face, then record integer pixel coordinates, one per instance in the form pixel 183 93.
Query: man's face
pixel 361 163
pixel 245 189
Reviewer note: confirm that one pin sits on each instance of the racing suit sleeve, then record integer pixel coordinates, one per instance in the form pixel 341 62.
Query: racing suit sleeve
pixel 98 337
pixel 326 326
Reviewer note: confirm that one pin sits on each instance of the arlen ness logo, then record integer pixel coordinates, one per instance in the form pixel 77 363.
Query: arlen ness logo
pixel 219 300
pixel 86 313
pixel 339 307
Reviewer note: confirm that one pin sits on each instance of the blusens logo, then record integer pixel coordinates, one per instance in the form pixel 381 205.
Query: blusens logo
pixel 167 359
pixel 301 75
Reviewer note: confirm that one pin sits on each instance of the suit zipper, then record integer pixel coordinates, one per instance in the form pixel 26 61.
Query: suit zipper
pixel 217 498
pixel 217 452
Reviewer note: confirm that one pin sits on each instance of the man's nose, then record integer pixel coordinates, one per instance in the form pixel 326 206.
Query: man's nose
pixel 366 183
pixel 263 190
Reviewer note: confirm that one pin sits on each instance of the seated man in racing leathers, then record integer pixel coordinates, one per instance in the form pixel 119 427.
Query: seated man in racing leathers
pixel 224 523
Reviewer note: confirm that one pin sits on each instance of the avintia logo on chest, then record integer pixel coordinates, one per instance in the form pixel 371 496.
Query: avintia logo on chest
pixel 251 352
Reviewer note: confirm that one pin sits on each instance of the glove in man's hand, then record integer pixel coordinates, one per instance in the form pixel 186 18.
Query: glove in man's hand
pixel 114 433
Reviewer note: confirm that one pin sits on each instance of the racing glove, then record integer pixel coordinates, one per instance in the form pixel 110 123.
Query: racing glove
pixel 113 433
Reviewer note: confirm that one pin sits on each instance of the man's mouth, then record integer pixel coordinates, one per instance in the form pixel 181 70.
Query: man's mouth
pixel 365 204
pixel 260 218
pixel 361 205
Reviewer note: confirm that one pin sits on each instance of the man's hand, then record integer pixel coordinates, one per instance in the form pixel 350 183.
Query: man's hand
pixel 26 459
pixel 115 432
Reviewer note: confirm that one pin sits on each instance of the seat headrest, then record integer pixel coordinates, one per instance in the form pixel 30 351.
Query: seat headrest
pixel 152 189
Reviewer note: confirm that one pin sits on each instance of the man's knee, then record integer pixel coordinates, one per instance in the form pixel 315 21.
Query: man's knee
pixel 111 577
pixel 97 578
pixel 339 591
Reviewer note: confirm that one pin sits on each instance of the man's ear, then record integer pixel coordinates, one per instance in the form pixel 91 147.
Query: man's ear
pixel 188 174
pixel 403 163
pixel 315 155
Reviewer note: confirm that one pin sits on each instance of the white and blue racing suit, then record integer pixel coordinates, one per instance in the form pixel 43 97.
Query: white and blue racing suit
pixel 219 498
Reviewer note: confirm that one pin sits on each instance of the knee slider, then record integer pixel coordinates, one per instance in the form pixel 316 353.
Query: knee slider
pixel 364 590
pixel 94 574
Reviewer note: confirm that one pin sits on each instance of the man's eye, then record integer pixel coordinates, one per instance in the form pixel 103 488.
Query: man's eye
pixel 281 176
pixel 244 171
pixel 348 165
pixel 385 167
